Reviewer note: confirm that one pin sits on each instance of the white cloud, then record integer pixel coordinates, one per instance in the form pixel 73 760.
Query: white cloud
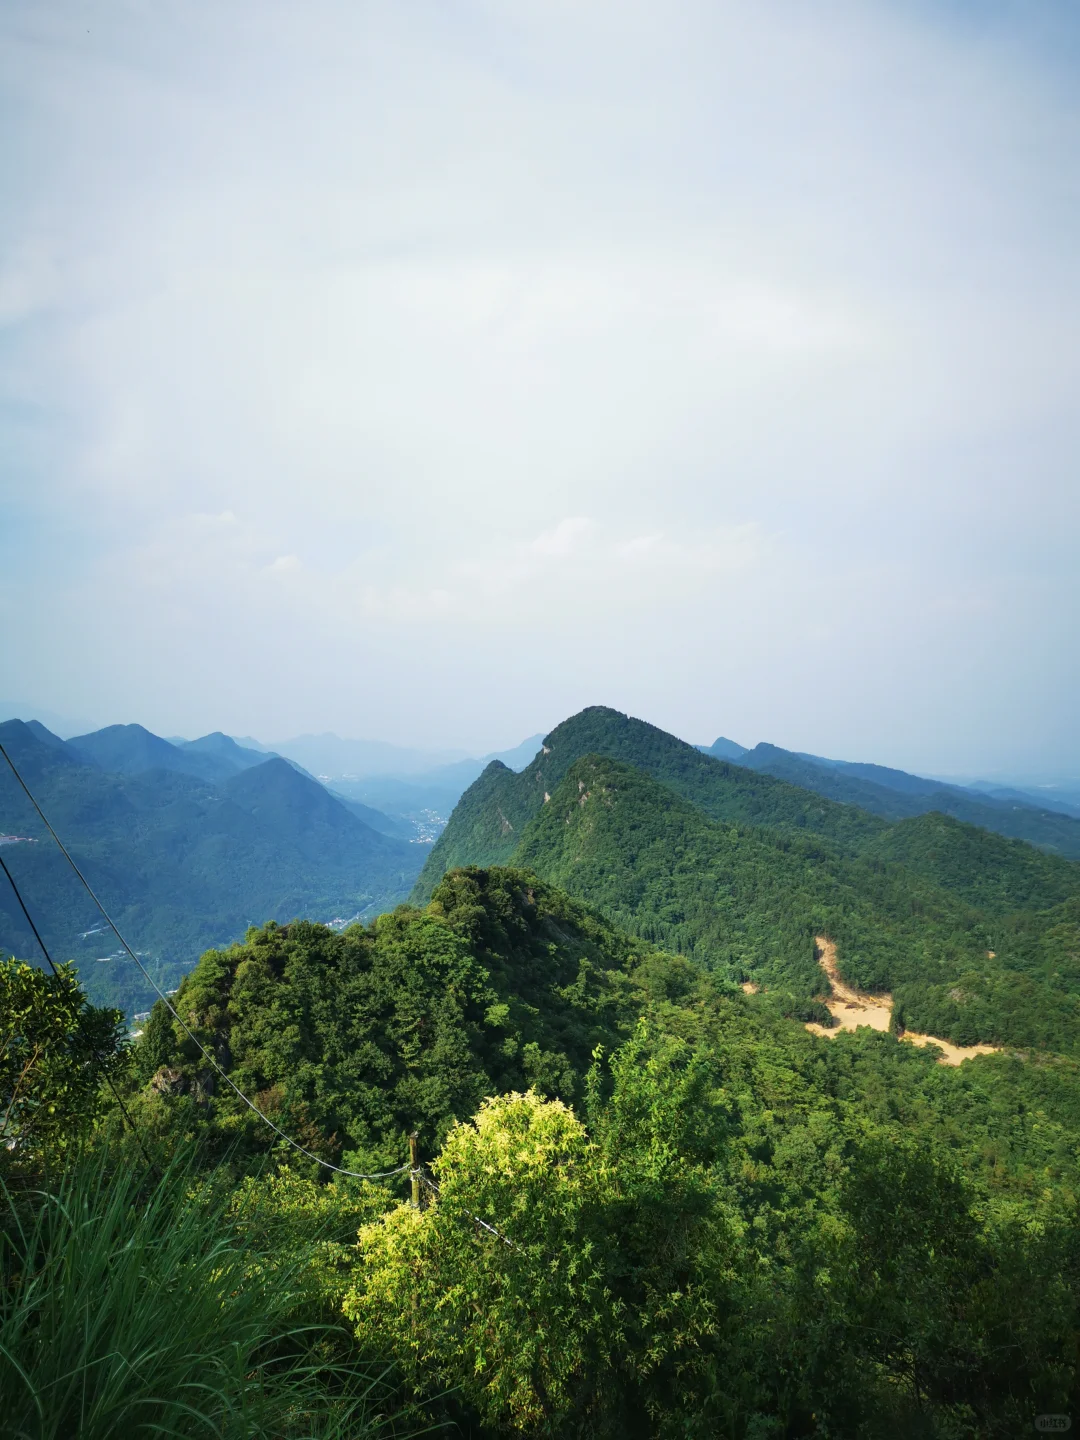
pixel 782 298
pixel 566 537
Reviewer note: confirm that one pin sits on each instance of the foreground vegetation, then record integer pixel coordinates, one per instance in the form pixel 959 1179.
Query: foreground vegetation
pixel 653 1206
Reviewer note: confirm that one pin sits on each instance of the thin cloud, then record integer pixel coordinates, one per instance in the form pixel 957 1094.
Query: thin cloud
pixel 782 298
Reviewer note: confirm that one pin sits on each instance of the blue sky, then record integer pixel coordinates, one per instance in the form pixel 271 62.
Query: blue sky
pixel 428 371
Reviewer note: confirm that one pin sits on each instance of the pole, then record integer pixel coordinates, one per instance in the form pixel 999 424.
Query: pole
pixel 414 1168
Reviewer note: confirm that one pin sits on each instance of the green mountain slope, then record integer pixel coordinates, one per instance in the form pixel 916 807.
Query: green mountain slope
pixel 895 795
pixel 996 874
pixel 504 983
pixel 487 822
pixel 703 858
pixel 749 903
pixel 179 863
pixel 723 749
pixel 830 1216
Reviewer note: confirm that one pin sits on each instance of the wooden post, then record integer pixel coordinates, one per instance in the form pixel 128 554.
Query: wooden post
pixel 414 1163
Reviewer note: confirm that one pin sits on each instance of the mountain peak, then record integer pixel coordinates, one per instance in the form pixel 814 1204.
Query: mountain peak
pixel 724 749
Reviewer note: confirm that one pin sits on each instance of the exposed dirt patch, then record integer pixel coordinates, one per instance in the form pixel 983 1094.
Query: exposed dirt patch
pixel 853 1009
pixel 850 1007
pixel 950 1054
pixel 749 988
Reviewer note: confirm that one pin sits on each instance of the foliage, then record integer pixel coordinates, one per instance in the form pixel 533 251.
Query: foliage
pixel 997 875
pixel 659 1278
pixel 55 1053
pixel 718 1224
pixel 532 1306
pixel 966 1317
pixel 352 1041
pixel 310 1228
pixel 601 1283
pixel 150 1312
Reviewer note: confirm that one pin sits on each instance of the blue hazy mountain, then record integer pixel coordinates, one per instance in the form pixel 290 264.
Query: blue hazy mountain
pixel 723 749
pixel 462 773
pixel 181 862
pixel 61 725
pixel 408 787
pixel 396 825
pixel 332 757
pixel 1045 797
pixel 224 748
pixel 134 750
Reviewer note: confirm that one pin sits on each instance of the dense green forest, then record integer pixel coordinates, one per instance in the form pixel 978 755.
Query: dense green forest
pixel 646 1203
pixel 697 1219
pixel 974 934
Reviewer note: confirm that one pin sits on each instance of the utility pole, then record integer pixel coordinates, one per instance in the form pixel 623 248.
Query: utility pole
pixel 414 1168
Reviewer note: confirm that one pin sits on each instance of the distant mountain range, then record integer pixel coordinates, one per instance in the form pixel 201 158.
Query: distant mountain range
pixel 187 845
pixel 332 758
pixel 894 794
pixel 132 750
pixel 62 725
pixel 402 783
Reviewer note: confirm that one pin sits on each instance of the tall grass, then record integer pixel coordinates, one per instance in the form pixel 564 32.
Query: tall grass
pixel 142 1310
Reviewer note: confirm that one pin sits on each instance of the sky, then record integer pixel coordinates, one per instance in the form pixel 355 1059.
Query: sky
pixel 426 371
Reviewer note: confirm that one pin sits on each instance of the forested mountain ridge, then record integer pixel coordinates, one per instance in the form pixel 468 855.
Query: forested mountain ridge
pixel 503 983
pixel 181 863
pixel 133 750
pixel 976 934
pixel 748 903
pixel 488 820
pixel 896 795
pixel 999 875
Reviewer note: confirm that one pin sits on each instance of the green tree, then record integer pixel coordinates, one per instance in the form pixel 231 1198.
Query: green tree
pixel 499 1285
pixel 55 1053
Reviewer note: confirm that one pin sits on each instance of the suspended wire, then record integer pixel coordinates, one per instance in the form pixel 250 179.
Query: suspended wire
pixel 430 1184
pixel 97 1056
pixel 210 1059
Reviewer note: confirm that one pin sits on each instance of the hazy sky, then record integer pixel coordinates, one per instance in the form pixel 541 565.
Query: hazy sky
pixel 427 371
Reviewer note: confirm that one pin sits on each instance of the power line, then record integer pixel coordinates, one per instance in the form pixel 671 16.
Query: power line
pixel 97 1056
pixel 210 1059
pixel 431 1185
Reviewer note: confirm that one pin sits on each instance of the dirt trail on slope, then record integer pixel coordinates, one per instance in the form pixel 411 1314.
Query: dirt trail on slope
pixel 853 1009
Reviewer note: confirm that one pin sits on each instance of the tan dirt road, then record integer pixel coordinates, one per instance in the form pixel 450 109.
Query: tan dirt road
pixel 854 1009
